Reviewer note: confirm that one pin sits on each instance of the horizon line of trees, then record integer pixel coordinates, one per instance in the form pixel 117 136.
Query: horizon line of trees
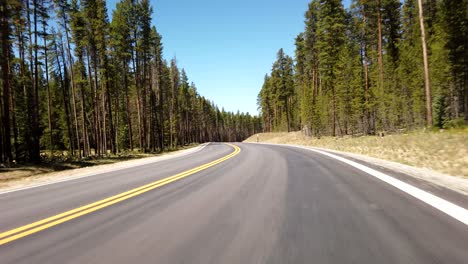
pixel 382 65
pixel 73 81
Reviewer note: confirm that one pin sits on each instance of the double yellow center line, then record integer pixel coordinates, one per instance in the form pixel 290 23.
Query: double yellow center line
pixel 40 225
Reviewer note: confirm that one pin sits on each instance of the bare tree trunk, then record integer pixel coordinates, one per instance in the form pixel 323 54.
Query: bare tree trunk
pixel 143 105
pixel 367 115
pixel 109 111
pixel 21 45
pixel 117 119
pixel 161 109
pixel 366 94
pixel 334 110
pixel 464 91
pixel 66 101
pixel 98 112
pixel 426 66
pixel 172 114
pixel 28 90
pixel 140 132
pixel 72 80
pixel 127 103
pixel 170 126
pixel 379 43
pixel 49 104
pixel 138 103
pixel 104 121
pixel 2 138
pixel 13 121
pixel 5 64
pixel 95 126
pixel 287 114
pixel 35 154
pixel 84 127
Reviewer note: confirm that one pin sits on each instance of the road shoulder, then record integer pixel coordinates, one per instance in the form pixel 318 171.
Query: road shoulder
pixel 72 174
pixel 450 188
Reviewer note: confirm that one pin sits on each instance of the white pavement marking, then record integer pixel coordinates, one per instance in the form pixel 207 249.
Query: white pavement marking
pixel 451 209
pixel 168 156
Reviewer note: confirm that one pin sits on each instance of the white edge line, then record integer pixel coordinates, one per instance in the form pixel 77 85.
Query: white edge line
pixel 451 209
pixel 195 150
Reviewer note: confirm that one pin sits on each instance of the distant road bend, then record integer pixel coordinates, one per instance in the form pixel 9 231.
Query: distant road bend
pixel 235 203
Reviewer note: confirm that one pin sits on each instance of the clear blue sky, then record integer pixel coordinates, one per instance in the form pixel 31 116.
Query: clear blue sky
pixel 226 47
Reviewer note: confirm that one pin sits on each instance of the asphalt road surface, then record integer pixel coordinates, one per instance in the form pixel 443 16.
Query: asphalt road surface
pixel 265 204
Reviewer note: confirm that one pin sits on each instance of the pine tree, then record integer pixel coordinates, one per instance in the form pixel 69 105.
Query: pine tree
pixel 330 39
pixel 453 22
pixel 121 46
pixel 175 78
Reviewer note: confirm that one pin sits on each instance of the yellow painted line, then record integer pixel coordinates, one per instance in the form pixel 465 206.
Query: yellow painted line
pixel 40 225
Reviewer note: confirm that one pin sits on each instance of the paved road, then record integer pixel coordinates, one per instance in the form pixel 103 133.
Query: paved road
pixel 268 204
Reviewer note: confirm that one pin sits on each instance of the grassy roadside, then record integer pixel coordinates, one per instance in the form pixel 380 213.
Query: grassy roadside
pixel 445 151
pixel 56 164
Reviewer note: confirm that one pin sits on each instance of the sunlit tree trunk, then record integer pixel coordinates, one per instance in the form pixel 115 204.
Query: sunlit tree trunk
pixel 426 66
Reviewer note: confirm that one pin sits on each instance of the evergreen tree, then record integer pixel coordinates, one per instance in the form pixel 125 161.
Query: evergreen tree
pixel 89 84
pixel 362 71
pixel 330 39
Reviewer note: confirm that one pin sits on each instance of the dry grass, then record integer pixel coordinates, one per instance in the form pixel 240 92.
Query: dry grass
pixel 445 151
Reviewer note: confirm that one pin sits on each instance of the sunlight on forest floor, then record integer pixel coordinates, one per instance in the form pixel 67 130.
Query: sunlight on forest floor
pixel 445 151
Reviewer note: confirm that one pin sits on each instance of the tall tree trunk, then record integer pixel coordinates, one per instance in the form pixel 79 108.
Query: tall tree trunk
pixel 143 104
pixel 287 115
pixel 94 107
pixel 161 109
pixel 127 107
pixel 49 99
pixel 464 91
pixel 84 127
pixel 2 138
pixel 94 127
pixel 426 66
pixel 35 157
pixel 28 90
pixel 5 64
pixel 13 121
pixel 366 93
pixel 99 139
pixel 379 43
pixel 333 110
pixel 65 89
pixel 137 84
pixel 109 111
pixel 21 47
pixel 73 92
pixel 365 67
pixel 104 120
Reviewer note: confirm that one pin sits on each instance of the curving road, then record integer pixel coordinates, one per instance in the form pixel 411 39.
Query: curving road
pixel 265 204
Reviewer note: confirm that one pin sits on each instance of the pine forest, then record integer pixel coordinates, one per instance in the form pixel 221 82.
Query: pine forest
pixel 77 83
pixel 379 66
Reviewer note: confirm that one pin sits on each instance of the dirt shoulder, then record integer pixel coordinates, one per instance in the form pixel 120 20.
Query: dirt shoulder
pixel 29 175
